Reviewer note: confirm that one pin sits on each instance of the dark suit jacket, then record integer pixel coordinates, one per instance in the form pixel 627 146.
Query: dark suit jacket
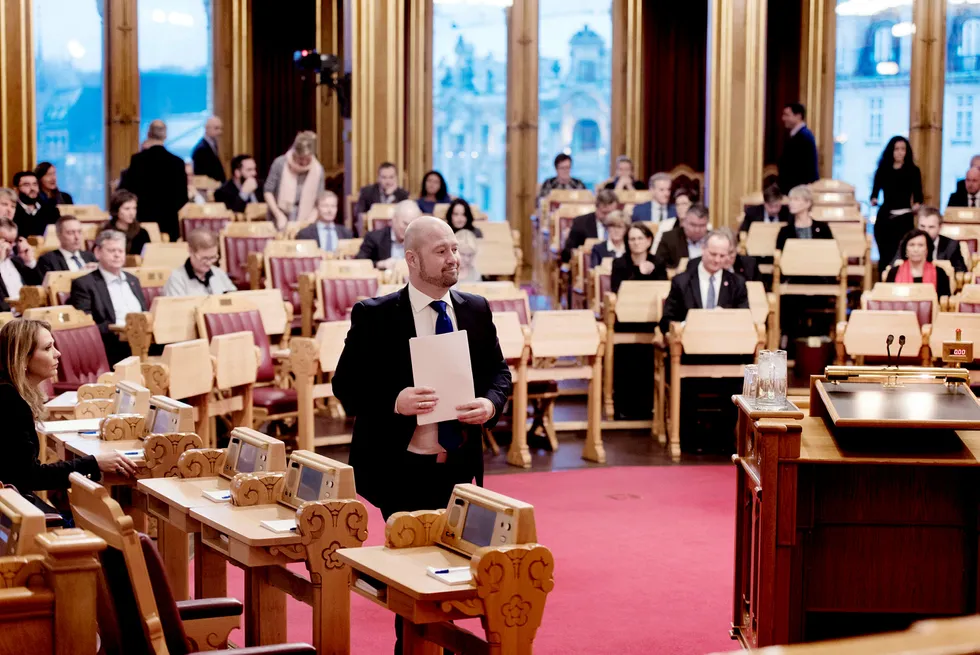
pixel 643 212
pixel 28 225
pixel 378 342
pixel 755 213
pixel 343 232
pixel 28 276
pixel 55 261
pixel 950 249
pixel 158 179
pixel 371 194
pixel 959 198
pixel 819 230
pixel 685 294
pixel 376 245
pixel 228 193
pixel 59 198
pixel 672 248
pixel 90 294
pixel 206 161
pixel 798 163
pixel 583 227
pixel 745 266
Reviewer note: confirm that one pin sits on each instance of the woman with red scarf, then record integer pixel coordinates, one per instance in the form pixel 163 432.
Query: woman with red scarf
pixel 916 249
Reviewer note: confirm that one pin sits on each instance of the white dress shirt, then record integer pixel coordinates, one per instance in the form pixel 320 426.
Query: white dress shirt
pixel 124 301
pixel 425 441
pixel 703 278
pixel 397 247
pixel 658 212
pixel 694 248
pixel 618 252
pixel 11 278
pixel 796 129
pixel 600 230
pixel 72 265
pixel 327 236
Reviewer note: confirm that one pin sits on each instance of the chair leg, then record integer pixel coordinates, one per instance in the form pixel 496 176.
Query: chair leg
pixel 549 424
pixel 490 442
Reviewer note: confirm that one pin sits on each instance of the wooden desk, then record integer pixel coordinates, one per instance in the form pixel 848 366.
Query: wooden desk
pixel 62 406
pixel 858 532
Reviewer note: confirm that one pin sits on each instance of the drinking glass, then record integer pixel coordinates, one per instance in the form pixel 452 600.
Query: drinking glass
pixel 766 363
pixel 750 383
pixel 779 377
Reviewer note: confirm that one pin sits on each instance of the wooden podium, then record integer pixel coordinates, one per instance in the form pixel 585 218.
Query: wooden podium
pixel 860 515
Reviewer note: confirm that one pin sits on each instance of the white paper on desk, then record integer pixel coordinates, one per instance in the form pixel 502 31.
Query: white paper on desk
pixel 77 425
pixel 442 362
pixel 67 399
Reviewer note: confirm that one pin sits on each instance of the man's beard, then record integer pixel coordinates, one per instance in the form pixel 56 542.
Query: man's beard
pixel 446 278
pixel 26 199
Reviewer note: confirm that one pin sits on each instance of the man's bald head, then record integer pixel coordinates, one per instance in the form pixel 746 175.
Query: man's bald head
pixel 157 130
pixel 431 251
pixel 405 212
pixel 213 128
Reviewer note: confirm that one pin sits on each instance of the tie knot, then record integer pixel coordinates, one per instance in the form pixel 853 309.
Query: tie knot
pixel 439 306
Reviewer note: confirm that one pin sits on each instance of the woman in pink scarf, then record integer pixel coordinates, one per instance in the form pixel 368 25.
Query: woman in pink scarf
pixel 294 182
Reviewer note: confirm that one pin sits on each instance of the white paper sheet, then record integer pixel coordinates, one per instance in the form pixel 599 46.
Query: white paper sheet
pixel 67 399
pixel 77 425
pixel 442 362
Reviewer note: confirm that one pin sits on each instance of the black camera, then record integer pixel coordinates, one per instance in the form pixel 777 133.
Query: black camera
pixel 329 69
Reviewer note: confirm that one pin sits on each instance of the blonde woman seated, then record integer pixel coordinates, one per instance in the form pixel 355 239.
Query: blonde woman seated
pixel 916 251
pixel 615 245
pixel 468 245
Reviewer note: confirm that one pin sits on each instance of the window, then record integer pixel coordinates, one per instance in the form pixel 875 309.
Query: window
pixel 69 91
pixel 871 90
pixel 176 69
pixel 469 68
pixel 962 81
pixel 575 86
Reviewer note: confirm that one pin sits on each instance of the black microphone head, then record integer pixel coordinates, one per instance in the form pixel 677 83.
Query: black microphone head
pixel 890 340
pixel 901 339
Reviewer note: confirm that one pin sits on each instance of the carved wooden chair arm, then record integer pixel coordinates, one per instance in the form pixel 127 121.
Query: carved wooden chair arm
pixel 412 529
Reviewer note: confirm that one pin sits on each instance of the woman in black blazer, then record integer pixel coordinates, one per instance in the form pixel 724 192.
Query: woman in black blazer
pixel 122 217
pixel 615 244
pixel 28 358
pixel 638 263
pixel 803 225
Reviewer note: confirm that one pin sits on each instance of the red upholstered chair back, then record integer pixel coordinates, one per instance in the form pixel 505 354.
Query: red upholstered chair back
pixel 380 222
pixel 173 625
pixel 237 250
pixel 285 272
pixel 63 297
pixel 564 226
pixel 511 305
pixel 969 307
pixel 211 223
pixel 247 321
pixel 149 293
pixel 120 622
pixel 922 308
pixel 605 285
pixel 83 357
pixel 339 295
pixel 971 244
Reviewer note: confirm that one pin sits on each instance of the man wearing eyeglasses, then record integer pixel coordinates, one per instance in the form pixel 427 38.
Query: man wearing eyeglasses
pixel 199 276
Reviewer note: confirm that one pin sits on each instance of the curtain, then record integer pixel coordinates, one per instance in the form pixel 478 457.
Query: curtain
pixel 675 36
pixel 783 44
pixel 284 98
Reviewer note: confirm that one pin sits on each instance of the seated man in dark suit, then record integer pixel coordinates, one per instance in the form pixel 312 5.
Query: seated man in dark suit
pixel 325 230
pixel 969 194
pixel 772 209
pixel 687 242
pixel 240 189
pixel 386 245
pixel 707 285
pixel 71 254
pixel 385 191
pixel 591 225
pixel 32 215
pixel 659 209
pixel 974 163
pixel 742 265
pixel 205 153
pixel 930 221
pixel 109 293
pixel 17 264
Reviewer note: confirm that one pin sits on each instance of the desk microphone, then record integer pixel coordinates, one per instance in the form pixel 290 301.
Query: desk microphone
pixel 901 344
pixel 888 349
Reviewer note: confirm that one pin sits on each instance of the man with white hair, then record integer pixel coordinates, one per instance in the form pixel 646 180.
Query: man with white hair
pixel 386 245
pixel 205 154
pixel 401 465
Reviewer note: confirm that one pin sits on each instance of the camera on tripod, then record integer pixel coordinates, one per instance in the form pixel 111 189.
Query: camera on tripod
pixel 329 69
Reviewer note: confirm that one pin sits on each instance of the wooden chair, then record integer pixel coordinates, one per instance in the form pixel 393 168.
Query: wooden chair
pixel 832 192
pixel 635 197
pixel 238 241
pixel 330 293
pixel 255 211
pixel 498 259
pixel 347 248
pixel 967 300
pixel 152 281
pixel 809 258
pixel 136 607
pixel 206 185
pixel 193 217
pixel 855 246
pixel 729 332
pixel 753 199
pixel 601 282
pixel 497 231
pixel 581 264
pixel 683 176
pixel 164 255
pixel 863 335
pixel 85 213
pixel 310 359
pixel 379 215
pixel 962 215
pixel 968 236
pixel 760 241
pixel 837 214
pixel 207 209
pixel 762 304
pixel 920 299
pixel 83 357
pixel 283 263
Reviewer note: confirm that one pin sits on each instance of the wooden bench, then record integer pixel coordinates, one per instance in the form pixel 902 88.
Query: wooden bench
pixel 809 258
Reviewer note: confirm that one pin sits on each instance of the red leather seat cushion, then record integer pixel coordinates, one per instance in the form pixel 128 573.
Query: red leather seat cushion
pixel 969 307
pixel 250 321
pixel 215 225
pixel 922 308
pixel 170 621
pixel 510 305
pixel 285 272
pixel 83 357
pixel 275 400
pixel 63 297
pixel 149 293
pixel 339 296
pixel 971 244
pixel 237 250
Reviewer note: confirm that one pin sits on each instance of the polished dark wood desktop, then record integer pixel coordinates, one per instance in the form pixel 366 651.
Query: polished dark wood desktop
pixel 851 531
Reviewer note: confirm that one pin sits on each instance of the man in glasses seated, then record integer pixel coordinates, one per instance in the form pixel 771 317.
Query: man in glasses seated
pixel 199 276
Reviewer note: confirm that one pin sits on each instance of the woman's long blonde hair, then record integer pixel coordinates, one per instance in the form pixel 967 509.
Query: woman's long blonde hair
pixel 18 341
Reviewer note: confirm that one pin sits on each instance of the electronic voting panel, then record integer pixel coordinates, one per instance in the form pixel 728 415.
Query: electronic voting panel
pixel 315 477
pixel 131 398
pixel 20 522
pixel 250 451
pixel 167 415
pixel 478 517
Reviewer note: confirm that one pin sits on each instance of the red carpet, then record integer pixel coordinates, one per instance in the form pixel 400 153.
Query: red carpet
pixel 643 562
